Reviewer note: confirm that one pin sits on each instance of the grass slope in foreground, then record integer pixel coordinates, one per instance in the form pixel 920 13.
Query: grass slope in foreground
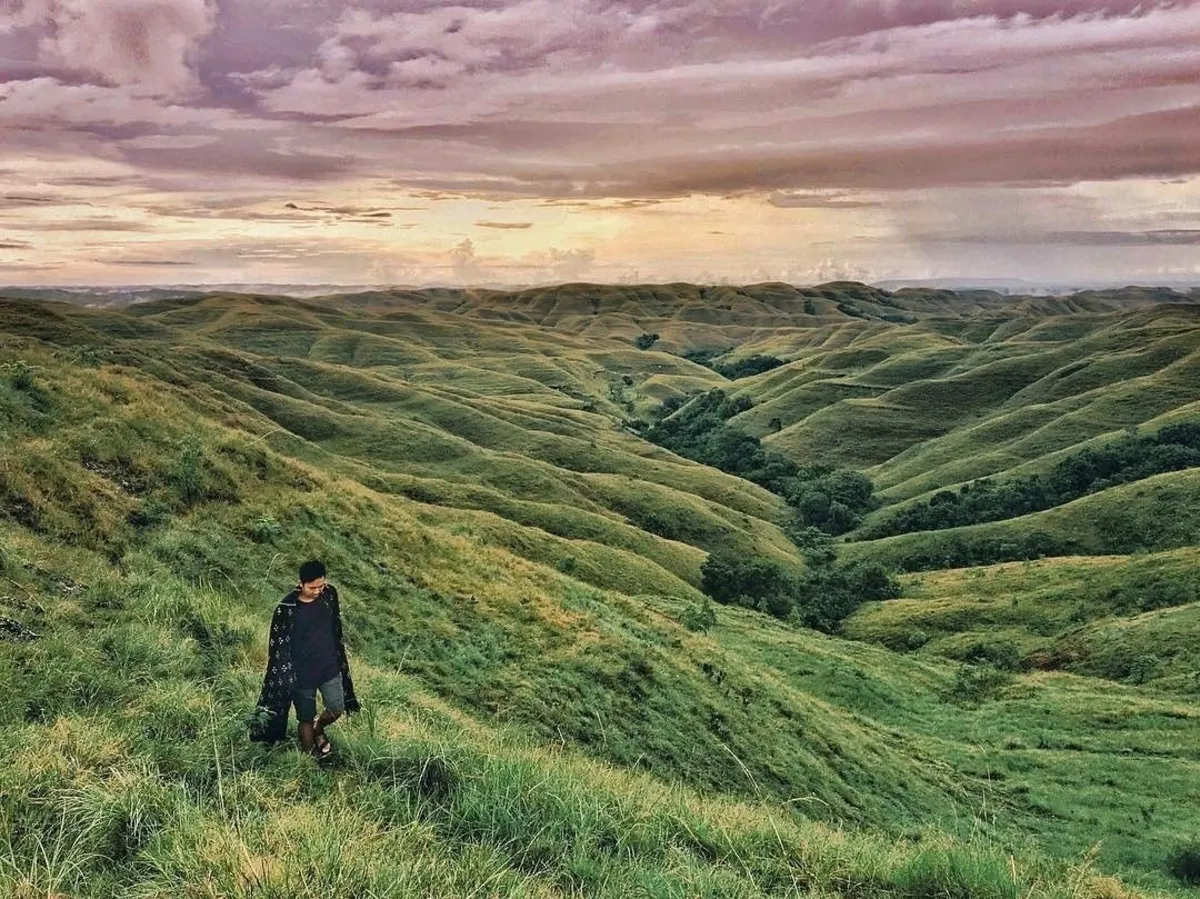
pixel 149 789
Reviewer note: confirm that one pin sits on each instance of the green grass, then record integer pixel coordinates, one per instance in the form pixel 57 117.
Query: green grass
pixel 141 783
pixel 517 571
pixel 1159 512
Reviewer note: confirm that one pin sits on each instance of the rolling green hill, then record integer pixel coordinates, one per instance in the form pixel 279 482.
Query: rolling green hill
pixel 521 574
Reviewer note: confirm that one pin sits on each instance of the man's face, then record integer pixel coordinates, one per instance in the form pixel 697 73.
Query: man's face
pixel 312 589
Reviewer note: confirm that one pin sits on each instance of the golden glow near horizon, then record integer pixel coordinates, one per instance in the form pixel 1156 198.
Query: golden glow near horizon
pixel 520 142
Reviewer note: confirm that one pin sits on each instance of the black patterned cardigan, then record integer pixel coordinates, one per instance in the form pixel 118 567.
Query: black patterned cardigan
pixel 274 702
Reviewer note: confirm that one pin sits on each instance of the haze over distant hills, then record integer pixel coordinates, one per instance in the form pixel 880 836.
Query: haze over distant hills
pixel 1019 286
pixel 1011 289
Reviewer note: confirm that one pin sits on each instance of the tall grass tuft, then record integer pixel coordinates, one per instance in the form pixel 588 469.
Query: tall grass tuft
pixel 1184 863
pixel 48 856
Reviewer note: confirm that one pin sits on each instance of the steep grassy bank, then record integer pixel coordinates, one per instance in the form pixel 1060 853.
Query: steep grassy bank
pixel 128 773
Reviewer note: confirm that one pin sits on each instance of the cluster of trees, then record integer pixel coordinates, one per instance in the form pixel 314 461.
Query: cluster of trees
pixel 826 501
pixel 833 500
pixel 738 368
pixel 744 368
pixel 820 597
pixel 959 552
pixel 1130 458
pixel 701 432
pixel 705 355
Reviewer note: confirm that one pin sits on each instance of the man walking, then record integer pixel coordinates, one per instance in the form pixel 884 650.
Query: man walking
pixel 305 655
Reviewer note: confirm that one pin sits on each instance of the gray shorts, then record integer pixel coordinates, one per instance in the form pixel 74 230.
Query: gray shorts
pixel 305 698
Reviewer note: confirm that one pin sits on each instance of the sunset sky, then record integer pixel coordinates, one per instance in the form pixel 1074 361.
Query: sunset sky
pixel 536 141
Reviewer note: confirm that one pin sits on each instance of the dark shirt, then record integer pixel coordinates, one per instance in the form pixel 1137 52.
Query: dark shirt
pixel 314 650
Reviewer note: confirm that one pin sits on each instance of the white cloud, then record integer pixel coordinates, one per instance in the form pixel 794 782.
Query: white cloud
pixel 146 45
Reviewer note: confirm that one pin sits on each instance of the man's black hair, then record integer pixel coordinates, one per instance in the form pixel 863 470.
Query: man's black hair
pixel 311 570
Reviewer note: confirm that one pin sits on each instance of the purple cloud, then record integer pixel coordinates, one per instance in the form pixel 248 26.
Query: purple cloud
pixel 145 44
pixel 469 97
pixel 299 114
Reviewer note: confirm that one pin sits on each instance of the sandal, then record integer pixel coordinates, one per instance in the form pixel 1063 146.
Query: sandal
pixel 321 745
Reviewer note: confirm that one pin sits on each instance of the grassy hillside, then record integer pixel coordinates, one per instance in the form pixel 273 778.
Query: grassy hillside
pixel 1159 512
pixel 159 795
pixel 1126 618
pixel 519 569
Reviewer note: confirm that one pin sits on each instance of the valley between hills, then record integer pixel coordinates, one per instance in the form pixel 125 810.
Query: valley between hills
pixel 660 590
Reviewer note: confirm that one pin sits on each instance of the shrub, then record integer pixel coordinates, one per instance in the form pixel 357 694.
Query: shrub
pixel 1184 863
pixel 754 583
pixel 670 405
pixel 186 474
pixel 1144 668
pixel 833 500
pixel 744 368
pixel 645 341
pixel 20 375
pixel 915 639
pixel 705 355
pixel 701 431
pixel 265 529
pixel 1127 459
pixel 827 595
pixel 871 581
pixel 980 549
pixel 700 616
pixel 976 683
pixel 1004 654
pixel 149 513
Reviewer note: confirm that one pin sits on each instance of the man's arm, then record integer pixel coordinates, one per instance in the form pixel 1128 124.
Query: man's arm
pixel 279 651
pixel 269 722
pixel 352 704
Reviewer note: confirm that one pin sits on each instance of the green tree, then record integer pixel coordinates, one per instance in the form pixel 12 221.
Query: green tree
pixel 756 583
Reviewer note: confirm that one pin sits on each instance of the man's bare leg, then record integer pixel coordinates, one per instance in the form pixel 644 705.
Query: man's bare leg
pixel 307 737
pixel 327 718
